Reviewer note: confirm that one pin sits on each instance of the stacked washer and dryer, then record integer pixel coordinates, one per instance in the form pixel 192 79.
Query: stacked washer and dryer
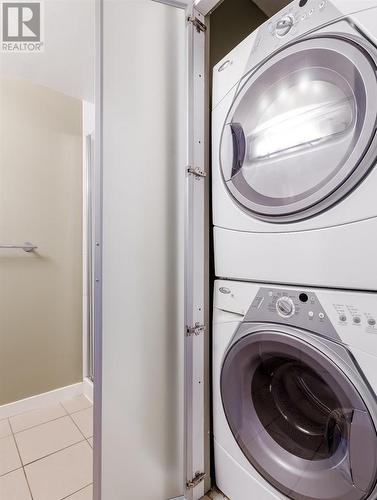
pixel 295 232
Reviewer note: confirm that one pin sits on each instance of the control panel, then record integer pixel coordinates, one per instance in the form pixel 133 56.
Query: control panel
pixel 346 317
pixel 304 309
pixel 297 19
pixel 350 314
pixel 290 20
pixel 291 307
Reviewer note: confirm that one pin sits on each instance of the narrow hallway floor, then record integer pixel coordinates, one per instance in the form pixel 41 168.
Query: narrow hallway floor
pixel 46 454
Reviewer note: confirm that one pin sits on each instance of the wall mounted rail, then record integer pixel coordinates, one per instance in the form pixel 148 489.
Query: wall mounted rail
pixel 26 247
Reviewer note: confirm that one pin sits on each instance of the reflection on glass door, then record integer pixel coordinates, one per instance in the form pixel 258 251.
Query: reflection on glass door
pixel 90 255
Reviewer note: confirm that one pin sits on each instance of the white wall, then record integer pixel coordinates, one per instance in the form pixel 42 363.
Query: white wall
pixel 144 178
pixel 67 63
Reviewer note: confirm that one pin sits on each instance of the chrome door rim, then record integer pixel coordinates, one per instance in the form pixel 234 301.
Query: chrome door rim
pixel 360 161
pixel 352 376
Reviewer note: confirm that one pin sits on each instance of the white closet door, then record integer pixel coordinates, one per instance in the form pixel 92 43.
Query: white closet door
pixel 144 158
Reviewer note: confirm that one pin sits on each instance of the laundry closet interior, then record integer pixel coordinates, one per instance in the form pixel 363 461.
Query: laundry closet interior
pixel 188 267
pixel 288 175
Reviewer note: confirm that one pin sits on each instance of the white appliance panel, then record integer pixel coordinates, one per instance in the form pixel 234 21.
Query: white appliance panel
pixel 318 250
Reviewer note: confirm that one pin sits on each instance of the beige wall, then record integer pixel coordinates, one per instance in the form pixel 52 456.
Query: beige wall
pixel 41 202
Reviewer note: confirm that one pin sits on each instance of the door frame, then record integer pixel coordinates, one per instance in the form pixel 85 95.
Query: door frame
pixel 205 7
pixel 197 296
pixel 196 467
pixel 196 472
pixel 196 258
pixel 97 254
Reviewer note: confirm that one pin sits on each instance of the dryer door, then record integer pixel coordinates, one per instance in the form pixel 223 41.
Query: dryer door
pixel 299 135
pixel 298 418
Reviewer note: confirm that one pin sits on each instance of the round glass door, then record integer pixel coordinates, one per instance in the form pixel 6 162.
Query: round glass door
pixel 296 137
pixel 298 419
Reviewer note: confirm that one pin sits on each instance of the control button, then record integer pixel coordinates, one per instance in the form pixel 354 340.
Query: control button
pixel 357 320
pixel 311 314
pixel 343 318
pixel 284 26
pixel 285 307
pixel 303 3
pixel 303 17
pixel 321 316
pixel 303 297
pixel 311 12
pixel 322 5
pixel 371 322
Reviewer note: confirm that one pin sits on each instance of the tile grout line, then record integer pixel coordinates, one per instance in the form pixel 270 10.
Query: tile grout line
pixel 23 466
pixel 27 482
pixel 13 470
pixel 47 421
pixel 49 454
pixel 46 406
pixel 76 411
pixel 39 425
pixel 77 491
pixel 22 463
pixel 10 427
pixel 86 439
pixel 54 453
pixel 14 415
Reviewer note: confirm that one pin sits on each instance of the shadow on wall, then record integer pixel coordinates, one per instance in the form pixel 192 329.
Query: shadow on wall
pixel 231 23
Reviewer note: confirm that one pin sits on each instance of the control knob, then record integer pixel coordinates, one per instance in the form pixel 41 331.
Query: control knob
pixel 285 307
pixel 284 26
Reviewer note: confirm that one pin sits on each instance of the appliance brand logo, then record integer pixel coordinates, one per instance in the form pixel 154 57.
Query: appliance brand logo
pixel 22 27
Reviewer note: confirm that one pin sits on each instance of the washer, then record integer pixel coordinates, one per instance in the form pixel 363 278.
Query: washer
pixel 294 149
pixel 295 384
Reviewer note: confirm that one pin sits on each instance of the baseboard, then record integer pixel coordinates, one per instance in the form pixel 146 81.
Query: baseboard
pixel 34 402
pixel 88 389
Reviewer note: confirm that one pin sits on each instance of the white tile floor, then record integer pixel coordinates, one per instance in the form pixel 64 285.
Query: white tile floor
pixel 46 454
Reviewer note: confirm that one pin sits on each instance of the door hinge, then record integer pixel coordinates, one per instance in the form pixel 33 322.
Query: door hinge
pixel 199 477
pixel 197 23
pixel 197 172
pixel 195 330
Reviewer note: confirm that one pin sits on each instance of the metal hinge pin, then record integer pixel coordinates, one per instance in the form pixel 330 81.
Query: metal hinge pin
pixel 199 477
pixel 200 27
pixel 197 172
pixel 195 330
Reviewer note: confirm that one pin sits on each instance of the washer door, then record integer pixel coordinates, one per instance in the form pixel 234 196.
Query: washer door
pixel 297 136
pixel 298 418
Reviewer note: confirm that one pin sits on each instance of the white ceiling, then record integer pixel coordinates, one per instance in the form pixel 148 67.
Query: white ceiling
pixel 67 64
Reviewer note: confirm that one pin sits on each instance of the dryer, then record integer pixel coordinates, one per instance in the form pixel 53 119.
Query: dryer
pixel 295 147
pixel 294 396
